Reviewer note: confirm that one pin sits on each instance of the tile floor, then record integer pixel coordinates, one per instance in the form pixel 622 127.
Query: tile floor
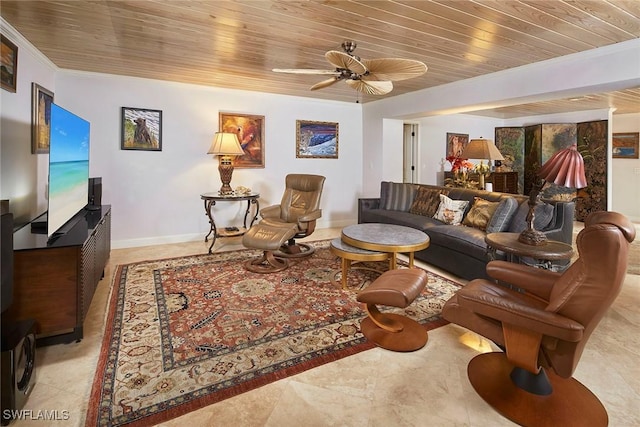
pixel 428 387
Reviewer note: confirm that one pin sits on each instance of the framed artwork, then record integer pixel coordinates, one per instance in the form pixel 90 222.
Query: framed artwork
pixel 250 131
pixel 141 129
pixel 41 100
pixel 316 140
pixel 625 145
pixel 8 64
pixel 456 142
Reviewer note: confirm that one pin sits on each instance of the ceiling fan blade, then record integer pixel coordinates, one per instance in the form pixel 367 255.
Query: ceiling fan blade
pixel 305 71
pixel 394 69
pixel 324 83
pixel 342 60
pixel 371 87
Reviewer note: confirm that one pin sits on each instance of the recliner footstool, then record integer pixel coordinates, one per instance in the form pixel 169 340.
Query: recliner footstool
pixel 269 238
pixel 396 288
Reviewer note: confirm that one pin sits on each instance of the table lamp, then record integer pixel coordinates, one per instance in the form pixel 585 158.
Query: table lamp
pixel 225 145
pixel 565 168
pixel 481 149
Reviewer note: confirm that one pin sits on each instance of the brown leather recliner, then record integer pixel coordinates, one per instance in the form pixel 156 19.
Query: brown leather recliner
pixel 543 320
pixel 300 205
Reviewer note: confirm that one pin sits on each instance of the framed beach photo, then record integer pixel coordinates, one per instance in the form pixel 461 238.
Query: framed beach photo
pixel 141 129
pixel 41 100
pixel 316 140
pixel 456 142
pixel 625 145
pixel 250 131
pixel 8 64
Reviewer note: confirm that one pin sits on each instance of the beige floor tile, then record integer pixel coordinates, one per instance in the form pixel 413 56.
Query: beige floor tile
pixel 372 388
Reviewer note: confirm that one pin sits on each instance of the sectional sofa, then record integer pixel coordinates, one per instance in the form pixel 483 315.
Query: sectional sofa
pixel 458 222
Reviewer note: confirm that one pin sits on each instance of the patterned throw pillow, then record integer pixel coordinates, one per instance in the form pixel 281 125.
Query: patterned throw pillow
pixel 450 211
pixel 480 213
pixel 503 215
pixel 396 196
pixel 426 201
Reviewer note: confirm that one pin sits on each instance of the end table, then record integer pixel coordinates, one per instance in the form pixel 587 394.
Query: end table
pixel 210 200
pixel 544 254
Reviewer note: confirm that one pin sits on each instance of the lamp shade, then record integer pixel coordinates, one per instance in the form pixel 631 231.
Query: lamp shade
pixel 481 149
pixel 225 144
pixel 565 168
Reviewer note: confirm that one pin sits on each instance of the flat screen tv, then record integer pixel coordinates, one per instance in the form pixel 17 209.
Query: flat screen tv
pixel 68 167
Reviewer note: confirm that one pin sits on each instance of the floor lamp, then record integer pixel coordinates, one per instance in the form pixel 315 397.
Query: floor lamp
pixel 225 145
pixel 483 149
pixel 565 168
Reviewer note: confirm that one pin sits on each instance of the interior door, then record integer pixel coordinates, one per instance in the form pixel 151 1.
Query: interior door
pixel 410 155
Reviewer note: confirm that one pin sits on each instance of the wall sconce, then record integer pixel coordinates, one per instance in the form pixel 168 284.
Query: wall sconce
pixel 225 145
pixel 565 168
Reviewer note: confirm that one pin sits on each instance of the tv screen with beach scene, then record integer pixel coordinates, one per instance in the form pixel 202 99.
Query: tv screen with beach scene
pixel 68 167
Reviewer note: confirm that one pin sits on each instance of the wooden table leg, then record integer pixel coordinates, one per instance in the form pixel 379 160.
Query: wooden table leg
pixel 345 268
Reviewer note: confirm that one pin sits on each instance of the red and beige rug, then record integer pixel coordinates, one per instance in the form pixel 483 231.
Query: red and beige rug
pixel 187 332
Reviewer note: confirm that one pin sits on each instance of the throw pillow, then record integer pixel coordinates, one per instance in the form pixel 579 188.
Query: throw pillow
pixel 542 218
pixel 450 211
pixel 426 201
pixel 396 196
pixel 480 213
pixel 503 215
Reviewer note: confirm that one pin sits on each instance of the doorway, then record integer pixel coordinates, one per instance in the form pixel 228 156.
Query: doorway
pixel 410 153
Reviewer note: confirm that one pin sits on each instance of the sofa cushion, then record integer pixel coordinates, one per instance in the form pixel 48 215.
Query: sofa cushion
pixel 542 218
pixel 503 215
pixel 480 213
pixel 450 211
pixel 407 219
pixel 396 196
pixel 462 239
pixel 426 201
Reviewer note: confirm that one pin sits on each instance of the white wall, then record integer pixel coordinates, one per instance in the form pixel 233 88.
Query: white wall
pixel 433 141
pixel 609 68
pixel 23 176
pixel 155 196
pixel 626 172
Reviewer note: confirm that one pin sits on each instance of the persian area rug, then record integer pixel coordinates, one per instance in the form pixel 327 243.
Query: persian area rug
pixel 187 332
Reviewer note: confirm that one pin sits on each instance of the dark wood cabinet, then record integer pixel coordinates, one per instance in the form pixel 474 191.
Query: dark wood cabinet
pixel 504 182
pixel 55 279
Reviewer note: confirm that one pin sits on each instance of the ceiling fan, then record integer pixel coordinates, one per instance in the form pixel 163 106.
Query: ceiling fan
pixel 370 76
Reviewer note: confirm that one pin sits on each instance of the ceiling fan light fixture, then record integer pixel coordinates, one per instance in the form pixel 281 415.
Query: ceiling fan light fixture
pixel 372 77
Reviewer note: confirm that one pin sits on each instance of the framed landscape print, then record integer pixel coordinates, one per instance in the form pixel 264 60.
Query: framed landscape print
pixel 250 131
pixel 141 129
pixel 456 143
pixel 8 64
pixel 316 140
pixel 41 100
pixel 625 145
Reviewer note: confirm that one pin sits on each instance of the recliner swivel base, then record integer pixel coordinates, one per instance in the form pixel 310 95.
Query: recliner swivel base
pixel 570 403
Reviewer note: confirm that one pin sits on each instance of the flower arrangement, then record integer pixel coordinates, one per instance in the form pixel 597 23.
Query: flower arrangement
pixel 458 164
pixel 482 169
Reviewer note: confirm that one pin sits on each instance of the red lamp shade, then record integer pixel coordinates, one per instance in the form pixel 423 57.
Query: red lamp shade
pixel 565 168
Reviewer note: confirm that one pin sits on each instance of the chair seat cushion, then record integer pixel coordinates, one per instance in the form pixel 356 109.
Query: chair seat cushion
pixel 268 237
pixel 395 288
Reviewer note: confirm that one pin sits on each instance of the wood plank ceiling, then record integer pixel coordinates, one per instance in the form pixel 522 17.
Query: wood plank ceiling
pixel 236 44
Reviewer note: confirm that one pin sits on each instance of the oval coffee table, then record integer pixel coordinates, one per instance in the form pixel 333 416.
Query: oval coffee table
pixel 389 238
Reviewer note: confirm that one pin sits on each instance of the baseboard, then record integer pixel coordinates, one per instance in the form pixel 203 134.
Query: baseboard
pixel 184 238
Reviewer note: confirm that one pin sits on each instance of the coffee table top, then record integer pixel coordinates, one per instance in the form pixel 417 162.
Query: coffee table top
pixel 385 237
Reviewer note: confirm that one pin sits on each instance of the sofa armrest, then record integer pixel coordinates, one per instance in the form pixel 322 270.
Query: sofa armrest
pixel 367 204
pixel 561 227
